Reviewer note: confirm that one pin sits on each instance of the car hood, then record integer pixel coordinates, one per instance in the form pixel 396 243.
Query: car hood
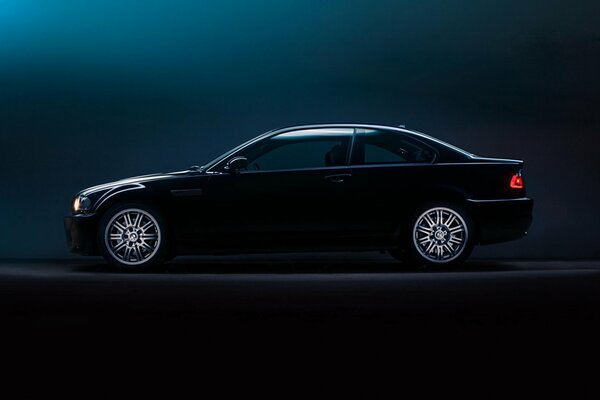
pixel 132 181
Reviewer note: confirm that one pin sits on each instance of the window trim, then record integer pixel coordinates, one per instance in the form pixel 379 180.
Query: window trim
pixel 351 147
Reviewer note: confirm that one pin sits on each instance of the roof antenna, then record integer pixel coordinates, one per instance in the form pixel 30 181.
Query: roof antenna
pixel 401 126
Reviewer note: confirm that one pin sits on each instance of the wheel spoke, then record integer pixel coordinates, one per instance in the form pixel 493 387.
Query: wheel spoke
pixel 147 246
pixel 127 254
pixel 456 229
pixel 147 225
pixel 138 252
pixel 429 221
pixel 119 246
pixel 426 231
pixel 118 226
pixel 127 217
pixel 430 247
pixel 448 249
pixel 450 220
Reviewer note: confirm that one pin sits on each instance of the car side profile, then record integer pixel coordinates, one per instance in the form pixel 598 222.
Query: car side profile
pixel 335 187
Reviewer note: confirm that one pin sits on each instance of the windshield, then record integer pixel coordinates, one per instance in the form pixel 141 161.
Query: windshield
pixel 228 153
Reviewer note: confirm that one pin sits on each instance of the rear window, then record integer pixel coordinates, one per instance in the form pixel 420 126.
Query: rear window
pixel 374 146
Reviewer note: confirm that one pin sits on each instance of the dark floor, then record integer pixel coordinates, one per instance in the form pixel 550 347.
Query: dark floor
pixel 308 291
pixel 340 307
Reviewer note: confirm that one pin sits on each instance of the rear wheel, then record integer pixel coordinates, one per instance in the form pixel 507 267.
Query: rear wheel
pixel 441 236
pixel 132 237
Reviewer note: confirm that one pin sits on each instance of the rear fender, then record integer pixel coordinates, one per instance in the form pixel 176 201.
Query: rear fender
pixel 445 194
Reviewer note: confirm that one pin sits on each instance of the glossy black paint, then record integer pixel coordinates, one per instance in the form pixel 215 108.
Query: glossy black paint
pixel 345 207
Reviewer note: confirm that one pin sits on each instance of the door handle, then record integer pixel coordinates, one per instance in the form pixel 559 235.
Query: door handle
pixel 338 178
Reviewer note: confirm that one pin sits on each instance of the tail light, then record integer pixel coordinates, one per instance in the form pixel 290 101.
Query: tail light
pixel 517 182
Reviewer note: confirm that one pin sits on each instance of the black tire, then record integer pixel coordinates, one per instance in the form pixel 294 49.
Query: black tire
pixel 137 249
pixel 413 256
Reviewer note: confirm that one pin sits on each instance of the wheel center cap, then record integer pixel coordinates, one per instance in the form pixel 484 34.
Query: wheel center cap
pixel 132 236
pixel 440 234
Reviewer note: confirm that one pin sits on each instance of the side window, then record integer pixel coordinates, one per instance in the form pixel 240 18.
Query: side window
pixel 308 148
pixel 388 147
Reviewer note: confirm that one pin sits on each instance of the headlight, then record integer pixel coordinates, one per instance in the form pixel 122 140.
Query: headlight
pixel 81 204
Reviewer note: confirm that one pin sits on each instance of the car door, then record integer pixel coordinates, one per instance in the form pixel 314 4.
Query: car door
pixel 388 170
pixel 293 193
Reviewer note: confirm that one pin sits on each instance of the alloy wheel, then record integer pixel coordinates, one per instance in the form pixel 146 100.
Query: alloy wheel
pixel 132 236
pixel 440 235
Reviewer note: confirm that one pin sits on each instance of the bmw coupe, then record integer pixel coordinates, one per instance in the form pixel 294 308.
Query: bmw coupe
pixel 335 187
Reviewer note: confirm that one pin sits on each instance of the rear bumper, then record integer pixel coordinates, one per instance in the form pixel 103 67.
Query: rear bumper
pixel 81 234
pixel 501 220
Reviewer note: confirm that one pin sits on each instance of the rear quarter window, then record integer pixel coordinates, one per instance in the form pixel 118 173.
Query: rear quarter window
pixel 374 146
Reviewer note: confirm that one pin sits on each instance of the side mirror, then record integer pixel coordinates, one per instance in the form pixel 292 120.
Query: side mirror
pixel 236 164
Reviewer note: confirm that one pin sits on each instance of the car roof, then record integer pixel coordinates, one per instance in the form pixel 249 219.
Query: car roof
pixel 372 126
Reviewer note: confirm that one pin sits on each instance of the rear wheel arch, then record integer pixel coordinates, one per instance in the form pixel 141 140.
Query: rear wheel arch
pixel 453 195
pixel 441 194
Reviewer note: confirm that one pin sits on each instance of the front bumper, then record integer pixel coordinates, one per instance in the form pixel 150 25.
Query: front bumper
pixel 501 220
pixel 81 233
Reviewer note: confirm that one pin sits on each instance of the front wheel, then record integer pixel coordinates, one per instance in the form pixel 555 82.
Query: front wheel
pixel 441 236
pixel 132 237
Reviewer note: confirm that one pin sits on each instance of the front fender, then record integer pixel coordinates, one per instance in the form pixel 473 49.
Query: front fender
pixel 126 192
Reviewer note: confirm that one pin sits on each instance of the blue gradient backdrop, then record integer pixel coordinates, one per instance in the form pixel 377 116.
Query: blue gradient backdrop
pixel 92 91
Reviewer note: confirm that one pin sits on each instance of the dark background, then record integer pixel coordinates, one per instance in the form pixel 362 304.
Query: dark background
pixel 94 91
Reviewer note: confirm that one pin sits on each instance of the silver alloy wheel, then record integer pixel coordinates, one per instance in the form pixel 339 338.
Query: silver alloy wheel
pixel 440 235
pixel 132 236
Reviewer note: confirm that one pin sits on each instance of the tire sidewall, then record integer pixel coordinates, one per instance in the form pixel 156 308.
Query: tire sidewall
pixel 157 259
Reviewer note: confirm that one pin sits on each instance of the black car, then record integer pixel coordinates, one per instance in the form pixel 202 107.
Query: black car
pixel 310 188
